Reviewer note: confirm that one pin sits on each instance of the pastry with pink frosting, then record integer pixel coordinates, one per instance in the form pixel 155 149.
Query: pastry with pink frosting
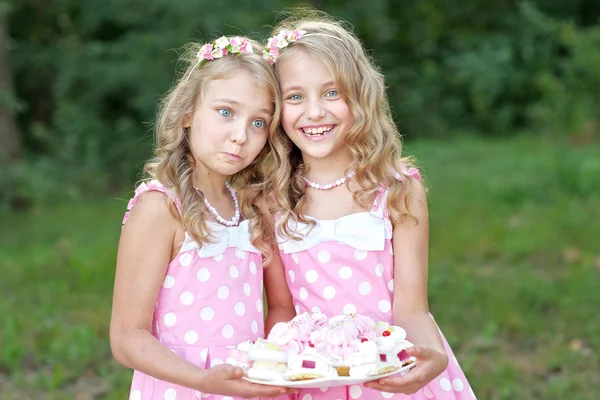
pixel 336 341
pixel 309 365
pixel 392 350
pixel 238 356
pixel 286 336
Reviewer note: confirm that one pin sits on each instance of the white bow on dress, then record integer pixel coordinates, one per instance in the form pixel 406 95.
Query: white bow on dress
pixel 224 237
pixel 363 231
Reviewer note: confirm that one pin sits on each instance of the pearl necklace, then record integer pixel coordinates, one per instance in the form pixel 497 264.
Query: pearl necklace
pixel 236 217
pixel 330 185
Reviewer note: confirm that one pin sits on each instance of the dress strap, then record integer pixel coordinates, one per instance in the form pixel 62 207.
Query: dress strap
pixel 381 199
pixel 144 187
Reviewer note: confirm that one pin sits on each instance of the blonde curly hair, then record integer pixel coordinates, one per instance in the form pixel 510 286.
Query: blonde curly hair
pixel 374 139
pixel 173 164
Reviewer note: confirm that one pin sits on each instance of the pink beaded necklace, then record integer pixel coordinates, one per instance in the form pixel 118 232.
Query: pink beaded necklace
pixel 330 185
pixel 236 217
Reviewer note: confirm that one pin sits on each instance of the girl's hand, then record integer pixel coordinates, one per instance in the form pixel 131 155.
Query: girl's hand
pixel 226 379
pixel 430 364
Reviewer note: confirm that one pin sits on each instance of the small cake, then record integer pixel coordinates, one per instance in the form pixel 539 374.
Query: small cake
pixel 392 353
pixel 238 356
pixel 310 346
pixel 268 362
pixel 309 365
pixel 336 342
pixel 364 361
pixel 285 336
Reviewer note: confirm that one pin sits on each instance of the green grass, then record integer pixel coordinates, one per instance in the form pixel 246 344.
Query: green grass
pixel 514 272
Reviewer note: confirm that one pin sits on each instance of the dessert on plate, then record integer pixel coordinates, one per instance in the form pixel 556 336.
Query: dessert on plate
pixel 311 346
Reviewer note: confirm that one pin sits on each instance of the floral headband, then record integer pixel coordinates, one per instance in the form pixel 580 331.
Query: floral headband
pixel 283 39
pixel 222 47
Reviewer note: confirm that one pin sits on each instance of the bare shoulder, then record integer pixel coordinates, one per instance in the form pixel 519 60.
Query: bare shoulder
pixel 151 211
pixel 412 203
pixel 416 190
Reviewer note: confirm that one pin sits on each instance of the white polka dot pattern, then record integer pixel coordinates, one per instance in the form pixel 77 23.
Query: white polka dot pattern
pixel 170 319
pixel 205 303
pixel 170 394
pixel 360 254
pixel 324 256
pixel 445 384
pixel 336 278
pixel 349 309
pixel 458 385
pixel 355 392
pixel 203 275
pixel 186 298
pixel 364 288
pixel 223 292
pixel 259 305
pixel 247 289
pixel 240 309
pixel 312 276
pixel 428 393
pixel 227 331
pixel 303 293
pixel 346 273
pixel 207 314
pixel 191 337
pixel 169 282
pixel 252 267
pixel 384 306
pixel 185 259
pixel 329 292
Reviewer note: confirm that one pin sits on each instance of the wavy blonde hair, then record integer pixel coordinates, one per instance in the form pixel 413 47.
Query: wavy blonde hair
pixel 374 139
pixel 173 164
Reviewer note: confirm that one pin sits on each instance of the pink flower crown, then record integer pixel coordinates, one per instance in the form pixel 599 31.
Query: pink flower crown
pixel 222 47
pixel 279 41
pixel 284 38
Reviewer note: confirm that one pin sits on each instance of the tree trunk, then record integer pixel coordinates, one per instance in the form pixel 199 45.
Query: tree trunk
pixel 10 138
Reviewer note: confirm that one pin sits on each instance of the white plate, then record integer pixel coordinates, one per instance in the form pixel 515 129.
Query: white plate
pixel 329 382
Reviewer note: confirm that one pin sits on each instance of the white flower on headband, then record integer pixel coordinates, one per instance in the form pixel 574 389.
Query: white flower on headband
pixel 281 40
pixel 222 47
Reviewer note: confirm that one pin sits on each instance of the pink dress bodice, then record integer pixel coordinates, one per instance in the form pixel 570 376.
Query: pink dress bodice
pixel 347 266
pixel 211 298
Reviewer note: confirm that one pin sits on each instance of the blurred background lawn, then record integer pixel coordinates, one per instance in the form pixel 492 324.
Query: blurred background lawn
pixel 499 101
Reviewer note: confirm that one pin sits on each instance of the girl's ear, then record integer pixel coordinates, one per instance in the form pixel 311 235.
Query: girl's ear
pixel 187 121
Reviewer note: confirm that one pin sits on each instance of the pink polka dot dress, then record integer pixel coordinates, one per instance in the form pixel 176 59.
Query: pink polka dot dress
pixel 211 298
pixel 346 266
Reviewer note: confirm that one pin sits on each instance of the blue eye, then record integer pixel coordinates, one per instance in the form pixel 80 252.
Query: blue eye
pixel 332 93
pixel 259 123
pixel 225 112
pixel 295 97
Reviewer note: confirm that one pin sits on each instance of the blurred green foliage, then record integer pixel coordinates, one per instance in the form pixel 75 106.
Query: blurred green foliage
pixel 514 267
pixel 88 74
